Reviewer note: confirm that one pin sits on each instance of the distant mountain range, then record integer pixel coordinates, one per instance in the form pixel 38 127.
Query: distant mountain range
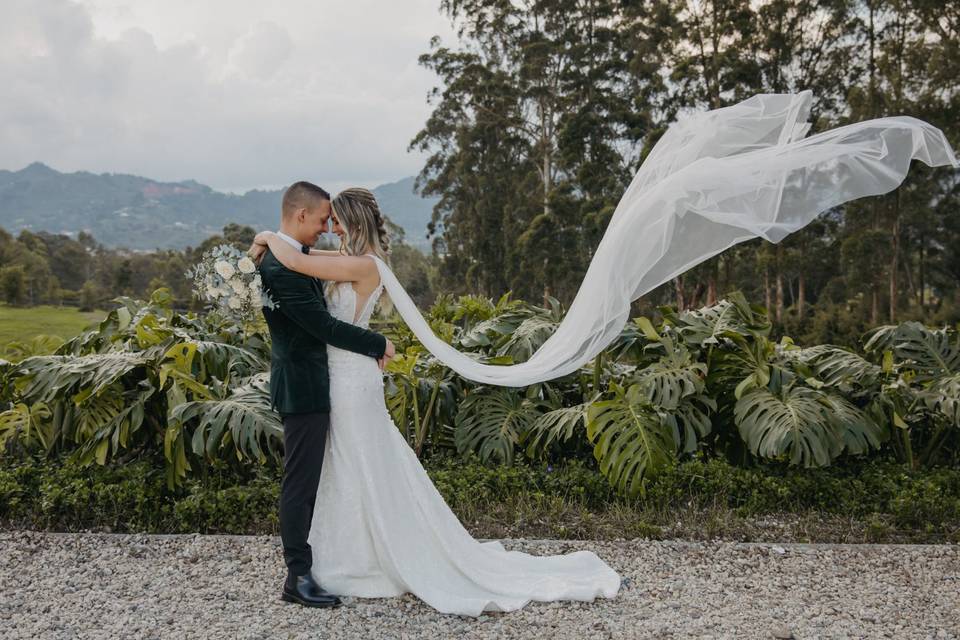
pixel 138 213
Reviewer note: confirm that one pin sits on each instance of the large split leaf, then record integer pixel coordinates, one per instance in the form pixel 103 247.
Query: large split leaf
pixel 493 421
pixel 631 442
pixel 793 423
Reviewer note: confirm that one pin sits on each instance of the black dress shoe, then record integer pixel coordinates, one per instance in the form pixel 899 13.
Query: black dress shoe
pixel 305 590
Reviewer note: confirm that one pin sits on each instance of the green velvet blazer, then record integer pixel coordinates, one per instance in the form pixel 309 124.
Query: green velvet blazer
pixel 301 327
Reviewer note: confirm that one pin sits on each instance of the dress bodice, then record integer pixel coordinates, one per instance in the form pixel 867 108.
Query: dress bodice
pixel 348 369
pixel 342 303
pixel 352 372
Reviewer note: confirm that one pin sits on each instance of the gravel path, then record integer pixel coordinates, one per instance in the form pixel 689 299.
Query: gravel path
pixel 146 586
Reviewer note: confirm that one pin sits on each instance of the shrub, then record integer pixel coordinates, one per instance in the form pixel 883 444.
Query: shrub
pixel 60 495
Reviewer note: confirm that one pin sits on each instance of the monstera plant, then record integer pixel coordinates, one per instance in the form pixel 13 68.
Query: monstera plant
pixel 920 387
pixel 659 411
pixel 141 382
pixel 148 381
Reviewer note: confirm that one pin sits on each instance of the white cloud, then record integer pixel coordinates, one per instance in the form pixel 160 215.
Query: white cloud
pixel 233 94
pixel 261 52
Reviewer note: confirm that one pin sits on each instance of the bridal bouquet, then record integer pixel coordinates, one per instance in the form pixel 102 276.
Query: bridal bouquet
pixel 228 278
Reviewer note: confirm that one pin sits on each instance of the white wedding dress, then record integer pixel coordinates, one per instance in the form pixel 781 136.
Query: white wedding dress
pixel 380 528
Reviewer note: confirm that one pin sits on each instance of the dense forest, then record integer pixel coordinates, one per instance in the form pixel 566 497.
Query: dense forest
pixel 546 108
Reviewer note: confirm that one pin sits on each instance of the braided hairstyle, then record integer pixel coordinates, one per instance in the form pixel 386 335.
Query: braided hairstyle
pixel 382 234
pixel 366 232
pixel 365 227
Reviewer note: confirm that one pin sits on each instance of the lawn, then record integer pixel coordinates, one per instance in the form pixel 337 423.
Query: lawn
pixel 23 323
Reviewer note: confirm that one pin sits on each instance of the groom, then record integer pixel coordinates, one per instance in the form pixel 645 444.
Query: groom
pixel 300 330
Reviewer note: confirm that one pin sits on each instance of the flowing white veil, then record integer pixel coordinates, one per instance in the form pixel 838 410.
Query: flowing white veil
pixel 714 179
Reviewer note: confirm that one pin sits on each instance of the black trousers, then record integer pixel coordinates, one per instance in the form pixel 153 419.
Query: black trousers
pixel 304 437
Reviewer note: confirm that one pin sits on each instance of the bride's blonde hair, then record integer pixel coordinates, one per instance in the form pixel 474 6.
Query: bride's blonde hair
pixel 360 217
pixel 364 225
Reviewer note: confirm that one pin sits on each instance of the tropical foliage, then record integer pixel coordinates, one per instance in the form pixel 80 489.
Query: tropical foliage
pixel 710 381
pixel 142 380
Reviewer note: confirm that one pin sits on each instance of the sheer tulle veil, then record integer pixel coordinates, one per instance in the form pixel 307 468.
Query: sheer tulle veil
pixel 714 179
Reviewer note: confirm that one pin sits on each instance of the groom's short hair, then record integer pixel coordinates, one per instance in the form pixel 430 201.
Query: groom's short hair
pixel 302 195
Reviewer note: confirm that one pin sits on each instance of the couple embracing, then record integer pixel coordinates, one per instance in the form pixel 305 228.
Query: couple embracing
pixel 359 516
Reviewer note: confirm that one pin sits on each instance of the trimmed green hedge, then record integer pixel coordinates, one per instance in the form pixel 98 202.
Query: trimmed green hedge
pixel 134 497
pixel 915 499
pixel 53 495
pixel 857 489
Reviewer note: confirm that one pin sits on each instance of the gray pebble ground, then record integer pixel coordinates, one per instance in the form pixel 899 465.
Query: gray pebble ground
pixel 142 586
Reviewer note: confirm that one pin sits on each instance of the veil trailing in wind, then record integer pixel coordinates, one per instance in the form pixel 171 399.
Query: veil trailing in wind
pixel 714 179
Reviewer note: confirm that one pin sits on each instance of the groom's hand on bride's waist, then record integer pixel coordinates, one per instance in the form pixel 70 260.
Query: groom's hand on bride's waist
pixel 388 355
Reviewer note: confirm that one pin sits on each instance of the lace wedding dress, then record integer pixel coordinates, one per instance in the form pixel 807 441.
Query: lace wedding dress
pixel 380 528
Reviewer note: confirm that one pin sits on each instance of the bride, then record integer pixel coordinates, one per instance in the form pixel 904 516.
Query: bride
pixel 380 528
pixel 714 179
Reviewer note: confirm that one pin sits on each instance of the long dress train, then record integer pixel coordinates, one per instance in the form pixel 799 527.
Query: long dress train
pixel 380 527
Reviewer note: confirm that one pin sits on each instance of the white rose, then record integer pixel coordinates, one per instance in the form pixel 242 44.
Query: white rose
pixel 213 292
pixel 246 265
pixel 225 269
pixel 235 303
pixel 237 286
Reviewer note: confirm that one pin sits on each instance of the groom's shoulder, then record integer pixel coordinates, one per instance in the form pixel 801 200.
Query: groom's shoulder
pixel 270 266
pixel 269 262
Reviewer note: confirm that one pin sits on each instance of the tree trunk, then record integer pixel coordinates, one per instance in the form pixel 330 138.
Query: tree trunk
pixel 712 282
pixel 923 284
pixel 895 258
pixel 801 296
pixel 678 287
pixel 872 63
pixel 547 180
pixel 913 293
pixel 768 293
pixel 874 112
pixel 694 300
pixel 727 276
pixel 779 279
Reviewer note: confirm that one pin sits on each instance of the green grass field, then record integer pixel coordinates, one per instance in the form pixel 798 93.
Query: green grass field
pixel 24 323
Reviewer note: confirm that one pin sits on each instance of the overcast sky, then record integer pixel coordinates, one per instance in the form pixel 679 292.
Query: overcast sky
pixel 236 94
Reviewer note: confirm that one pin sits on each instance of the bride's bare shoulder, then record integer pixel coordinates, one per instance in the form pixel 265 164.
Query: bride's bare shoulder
pixel 371 279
